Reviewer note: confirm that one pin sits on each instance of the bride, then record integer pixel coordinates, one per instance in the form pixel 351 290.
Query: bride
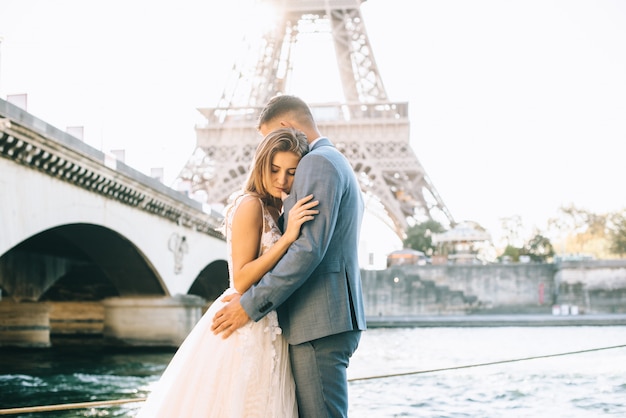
pixel 247 374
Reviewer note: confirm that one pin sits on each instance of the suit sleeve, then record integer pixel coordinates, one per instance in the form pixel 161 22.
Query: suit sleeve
pixel 318 176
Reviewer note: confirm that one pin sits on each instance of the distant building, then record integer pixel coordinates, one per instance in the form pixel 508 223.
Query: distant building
pixel 461 244
pixel 406 256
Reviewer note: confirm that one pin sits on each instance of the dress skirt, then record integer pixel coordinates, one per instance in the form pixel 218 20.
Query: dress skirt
pixel 246 375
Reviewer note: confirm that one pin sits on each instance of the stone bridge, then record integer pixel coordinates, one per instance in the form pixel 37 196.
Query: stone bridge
pixel 90 245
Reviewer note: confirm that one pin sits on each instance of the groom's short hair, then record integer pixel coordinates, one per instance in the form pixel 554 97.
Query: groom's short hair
pixel 285 104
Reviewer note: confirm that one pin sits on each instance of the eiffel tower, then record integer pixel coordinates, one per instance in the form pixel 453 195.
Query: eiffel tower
pixel 370 130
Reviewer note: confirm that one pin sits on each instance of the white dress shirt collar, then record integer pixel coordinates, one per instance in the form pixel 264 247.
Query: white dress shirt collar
pixel 312 143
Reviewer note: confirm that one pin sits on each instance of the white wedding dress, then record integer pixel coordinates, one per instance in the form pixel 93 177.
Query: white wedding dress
pixel 246 375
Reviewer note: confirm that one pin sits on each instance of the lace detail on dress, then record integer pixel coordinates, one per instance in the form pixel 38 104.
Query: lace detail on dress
pixel 271 234
pixel 272 362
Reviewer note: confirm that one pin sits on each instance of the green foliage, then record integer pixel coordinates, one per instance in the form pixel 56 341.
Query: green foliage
pixel 511 252
pixel 539 248
pixel 418 237
pixel 617 233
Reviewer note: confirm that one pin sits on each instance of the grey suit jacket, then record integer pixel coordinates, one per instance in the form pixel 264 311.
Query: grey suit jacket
pixel 316 286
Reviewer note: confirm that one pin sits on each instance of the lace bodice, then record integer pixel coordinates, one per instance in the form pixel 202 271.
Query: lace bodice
pixel 271 233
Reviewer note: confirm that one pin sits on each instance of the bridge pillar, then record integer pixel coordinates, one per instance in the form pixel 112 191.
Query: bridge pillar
pixel 151 321
pixel 76 318
pixel 25 324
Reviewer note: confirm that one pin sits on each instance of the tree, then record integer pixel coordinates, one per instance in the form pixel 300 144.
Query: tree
pixel 582 231
pixel 419 237
pixel 617 233
pixel 512 252
pixel 512 227
pixel 539 248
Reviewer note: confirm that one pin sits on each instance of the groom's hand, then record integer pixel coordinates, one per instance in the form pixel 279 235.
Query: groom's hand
pixel 230 318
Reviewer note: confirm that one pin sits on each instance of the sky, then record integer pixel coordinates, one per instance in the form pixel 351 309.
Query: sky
pixel 517 107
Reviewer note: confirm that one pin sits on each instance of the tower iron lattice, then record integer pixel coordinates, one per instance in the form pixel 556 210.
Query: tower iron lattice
pixel 370 130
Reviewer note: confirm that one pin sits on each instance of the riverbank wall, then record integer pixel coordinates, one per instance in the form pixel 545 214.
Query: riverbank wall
pixel 566 288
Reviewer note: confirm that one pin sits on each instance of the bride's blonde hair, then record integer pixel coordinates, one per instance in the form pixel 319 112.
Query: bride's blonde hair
pixel 259 175
pixel 258 181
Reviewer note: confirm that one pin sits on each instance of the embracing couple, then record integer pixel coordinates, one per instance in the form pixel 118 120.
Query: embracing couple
pixel 278 342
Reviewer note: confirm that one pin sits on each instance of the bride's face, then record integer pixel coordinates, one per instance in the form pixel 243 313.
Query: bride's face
pixel 283 170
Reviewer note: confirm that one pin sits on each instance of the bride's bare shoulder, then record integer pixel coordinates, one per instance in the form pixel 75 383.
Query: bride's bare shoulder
pixel 250 208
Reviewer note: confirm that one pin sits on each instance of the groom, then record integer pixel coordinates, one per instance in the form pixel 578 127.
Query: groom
pixel 316 286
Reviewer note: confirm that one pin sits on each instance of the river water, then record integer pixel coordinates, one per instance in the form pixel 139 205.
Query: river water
pixel 397 372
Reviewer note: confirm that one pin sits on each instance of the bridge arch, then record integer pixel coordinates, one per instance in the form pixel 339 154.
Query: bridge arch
pixel 78 261
pixel 211 281
pixel 49 208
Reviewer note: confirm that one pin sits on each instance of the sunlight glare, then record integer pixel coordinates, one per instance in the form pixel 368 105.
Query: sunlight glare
pixel 262 16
